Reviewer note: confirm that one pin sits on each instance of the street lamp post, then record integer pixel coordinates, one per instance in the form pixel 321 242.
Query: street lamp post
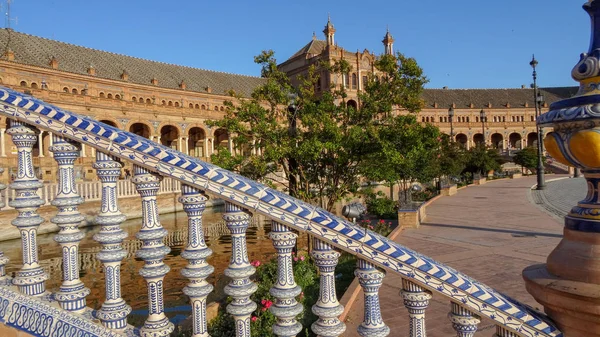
pixel 451 116
pixel 538 101
pixel 482 117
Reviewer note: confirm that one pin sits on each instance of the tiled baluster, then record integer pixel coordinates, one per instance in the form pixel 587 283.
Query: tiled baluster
pixel 416 300
pixel 241 287
pixel 4 279
pixel 30 279
pixel 196 252
pixel 153 251
pixel 463 321
pixel 285 289
pixel 370 279
pixel 327 307
pixel 72 292
pixel 114 311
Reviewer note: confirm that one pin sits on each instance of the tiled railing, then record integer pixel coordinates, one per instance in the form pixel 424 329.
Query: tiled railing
pixel 468 299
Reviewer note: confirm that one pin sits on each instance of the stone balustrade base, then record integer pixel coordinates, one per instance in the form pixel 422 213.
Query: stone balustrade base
pixel 574 306
pixel 7 331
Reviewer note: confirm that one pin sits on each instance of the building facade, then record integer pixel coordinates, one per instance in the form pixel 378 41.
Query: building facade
pixel 510 113
pixel 171 103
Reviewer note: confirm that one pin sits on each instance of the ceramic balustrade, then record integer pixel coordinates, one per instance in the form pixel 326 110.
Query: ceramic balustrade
pixel 71 294
pixel 153 252
pixel 241 195
pixel 4 279
pixel 31 278
pixel 239 270
pixel 196 252
pixel 114 310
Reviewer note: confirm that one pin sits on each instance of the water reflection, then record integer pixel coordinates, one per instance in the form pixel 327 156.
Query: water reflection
pixel 133 285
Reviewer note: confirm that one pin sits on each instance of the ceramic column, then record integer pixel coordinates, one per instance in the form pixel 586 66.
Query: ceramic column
pixel 196 252
pixel 327 308
pixel 285 289
pixel 72 292
pixel 241 287
pixel 114 310
pixel 416 300
pixel 463 321
pixel 4 279
pixel 41 144
pixel 30 279
pixel 153 252
pixel 370 279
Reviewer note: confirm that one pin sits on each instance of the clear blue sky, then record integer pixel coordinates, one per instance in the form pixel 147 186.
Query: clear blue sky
pixel 459 44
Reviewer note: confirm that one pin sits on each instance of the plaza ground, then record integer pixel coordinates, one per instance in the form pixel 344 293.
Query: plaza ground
pixel 489 232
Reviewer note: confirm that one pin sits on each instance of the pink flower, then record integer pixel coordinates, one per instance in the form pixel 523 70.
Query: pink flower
pixel 302 258
pixel 370 227
pixel 254 318
pixel 295 258
pixel 263 309
pixel 255 263
pixel 263 302
pixel 266 304
pixel 293 253
pixel 302 295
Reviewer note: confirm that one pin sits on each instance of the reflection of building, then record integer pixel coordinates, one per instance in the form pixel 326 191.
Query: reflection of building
pixel 510 112
pixel 170 104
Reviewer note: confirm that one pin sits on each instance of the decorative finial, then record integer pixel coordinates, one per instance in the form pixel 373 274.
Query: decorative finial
pixel 314 37
pixel 589 63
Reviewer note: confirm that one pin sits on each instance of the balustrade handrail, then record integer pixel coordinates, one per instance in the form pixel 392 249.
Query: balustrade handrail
pixel 301 216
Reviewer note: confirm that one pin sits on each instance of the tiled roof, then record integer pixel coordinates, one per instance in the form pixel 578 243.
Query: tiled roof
pixel 37 51
pixel 498 98
pixel 313 47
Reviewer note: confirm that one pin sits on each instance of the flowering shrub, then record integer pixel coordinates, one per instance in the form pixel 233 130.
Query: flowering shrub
pixel 381 226
pixel 306 276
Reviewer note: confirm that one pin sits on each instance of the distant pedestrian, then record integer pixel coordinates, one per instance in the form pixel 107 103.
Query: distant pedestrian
pixel 127 174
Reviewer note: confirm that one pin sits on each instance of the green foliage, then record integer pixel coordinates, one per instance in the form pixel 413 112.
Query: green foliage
pixel 321 145
pixel 453 157
pixel 482 159
pixel 379 205
pixel 307 278
pixel 425 194
pixel 527 158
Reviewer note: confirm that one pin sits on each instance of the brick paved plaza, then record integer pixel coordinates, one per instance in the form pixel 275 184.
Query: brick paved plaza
pixel 491 233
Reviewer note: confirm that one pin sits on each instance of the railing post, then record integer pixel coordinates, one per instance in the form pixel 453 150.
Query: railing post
pixel 4 279
pixel 327 308
pixel 196 252
pixel 72 292
pixel 503 332
pixel 114 310
pixel 463 321
pixel 153 252
pixel 416 300
pixel 241 287
pixel 30 279
pixel 371 279
pixel 285 289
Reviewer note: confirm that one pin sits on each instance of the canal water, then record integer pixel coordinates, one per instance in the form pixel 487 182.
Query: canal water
pixel 133 285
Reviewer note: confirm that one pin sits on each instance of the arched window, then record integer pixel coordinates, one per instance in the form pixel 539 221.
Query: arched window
pixel 34 85
pixel 532 118
pixel 216 108
pixel 133 98
pixel 177 104
pixel 117 96
pixel 222 108
pixel 148 101
pixel 191 106
pixel 197 106
pixel 354 81
pixel 164 102
pixel 504 118
pixel 23 84
pixel 477 119
pixel 170 103
pixel 65 89
pixel 423 119
pixel 203 107
pixel 74 91
pixel 141 100
pixel 109 96
pixel 101 95
pixel 467 119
